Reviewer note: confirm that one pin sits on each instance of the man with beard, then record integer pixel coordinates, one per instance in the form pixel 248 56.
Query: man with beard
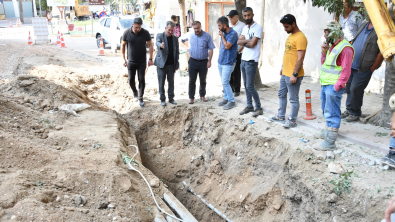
pixel 335 72
pixel 201 53
pixel 227 60
pixel 135 39
pixel 350 21
pixel 292 71
pixel 251 40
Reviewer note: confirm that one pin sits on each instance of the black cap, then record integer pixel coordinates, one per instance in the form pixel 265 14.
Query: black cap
pixel 233 13
pixel 288 19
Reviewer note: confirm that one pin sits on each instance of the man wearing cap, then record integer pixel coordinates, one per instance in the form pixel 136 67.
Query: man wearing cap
pixel 235 78
pixel 292 71
pixel 135 39
pixel 334 74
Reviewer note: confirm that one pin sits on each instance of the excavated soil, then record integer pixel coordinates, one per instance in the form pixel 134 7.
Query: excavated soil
pixel 60 167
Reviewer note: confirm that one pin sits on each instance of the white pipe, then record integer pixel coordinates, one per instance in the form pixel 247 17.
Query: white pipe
pixel 205 202
pixel 152 193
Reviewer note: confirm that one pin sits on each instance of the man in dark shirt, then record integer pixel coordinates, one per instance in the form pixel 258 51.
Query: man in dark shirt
pixel 135 38
pixel 167 61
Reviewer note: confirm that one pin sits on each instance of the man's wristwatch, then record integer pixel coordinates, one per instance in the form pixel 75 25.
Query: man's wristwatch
pixel 295 74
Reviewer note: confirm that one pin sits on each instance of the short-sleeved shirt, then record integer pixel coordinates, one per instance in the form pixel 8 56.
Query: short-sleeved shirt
pixel 254 53
pixel 136 45
pixel 238 27
pixel 358 45
pixel 351 25
pixel 198 45
pixel 228 56
pixel 294 43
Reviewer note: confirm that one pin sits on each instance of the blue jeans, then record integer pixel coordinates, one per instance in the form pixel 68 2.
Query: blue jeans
pixel 330 104
pixel 293 91
pixel 392 142
pixel 248 69
pixel 225 71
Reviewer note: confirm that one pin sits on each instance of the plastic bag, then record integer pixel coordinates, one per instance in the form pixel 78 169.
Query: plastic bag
pixel 74 108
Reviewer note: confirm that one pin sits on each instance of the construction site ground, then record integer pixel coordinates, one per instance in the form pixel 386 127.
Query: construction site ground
pixel 60 167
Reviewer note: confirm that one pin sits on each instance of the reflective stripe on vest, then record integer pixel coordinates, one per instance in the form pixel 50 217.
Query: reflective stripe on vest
pixel 330 71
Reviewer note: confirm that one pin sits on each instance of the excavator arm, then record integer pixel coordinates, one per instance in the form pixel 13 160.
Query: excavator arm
pixel 384 27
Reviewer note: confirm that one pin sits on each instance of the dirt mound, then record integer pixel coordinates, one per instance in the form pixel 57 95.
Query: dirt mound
pixel 42 94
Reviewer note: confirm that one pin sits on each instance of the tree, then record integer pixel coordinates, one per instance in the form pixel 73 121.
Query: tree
pixel 240 5
pixel 21 11
pixel 382 118
pixel 183 15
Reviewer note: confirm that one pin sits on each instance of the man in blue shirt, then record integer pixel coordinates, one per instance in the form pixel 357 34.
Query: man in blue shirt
pixel 201 53
pixel 227 60
pixel 367 59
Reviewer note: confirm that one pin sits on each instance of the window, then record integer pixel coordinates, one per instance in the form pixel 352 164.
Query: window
pixel 108 23
pixel 102 22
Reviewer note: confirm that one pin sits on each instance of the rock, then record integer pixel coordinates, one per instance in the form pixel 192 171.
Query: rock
pixel 78 200
pixel 215 167
pixel 378 162
pixel 337 152
pixel 223 153
pixel 266 144
pixel 57 199
pixel 111 206
pixel 386 167
pixel 13 217
pixel 25 83
pixel 103 205
pixel 372 163
pixel 332 198
pixel 308 152
pixel 336 168
pixel 66 197
pixel 155 183
pixel 25 77
pixel 125 184
pixel 44 136
pixel 59 127
pixel 363 161
pixel 330 155
pixel 85 139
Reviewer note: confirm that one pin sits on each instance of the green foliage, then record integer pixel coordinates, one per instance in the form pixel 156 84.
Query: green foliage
pixel 342 183
pixel 332 6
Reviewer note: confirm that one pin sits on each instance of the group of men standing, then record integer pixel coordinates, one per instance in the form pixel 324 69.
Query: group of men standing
pixel 349 56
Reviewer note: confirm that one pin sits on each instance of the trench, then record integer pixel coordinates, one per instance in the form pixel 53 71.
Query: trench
pixel 244 174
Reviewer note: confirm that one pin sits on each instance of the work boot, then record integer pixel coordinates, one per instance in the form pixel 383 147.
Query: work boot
pixel 203 99
pixel 320 135
pixel 246 110
pixel 257 112
pixel 223 103
pixel 389 159
pixel 229 105
pixel 329 142
pixel 135 97
pixel 163 103
pixel 236 94
pixel 352 118
pixel 191 101
pixel 345 114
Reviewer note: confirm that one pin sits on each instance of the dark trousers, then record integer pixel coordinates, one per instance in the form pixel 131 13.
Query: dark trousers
pixel 196 68
pixel 235 77
pixel 355 89
pixel 140 68
pixel 166 71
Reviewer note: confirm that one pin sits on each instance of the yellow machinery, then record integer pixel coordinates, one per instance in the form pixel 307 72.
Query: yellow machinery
pixel 384 27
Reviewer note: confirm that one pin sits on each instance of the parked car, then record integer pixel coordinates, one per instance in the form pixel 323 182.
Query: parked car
pixel 115 25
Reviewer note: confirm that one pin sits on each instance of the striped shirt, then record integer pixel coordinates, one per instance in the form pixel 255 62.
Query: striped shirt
pixel 198 45
pixel 351 25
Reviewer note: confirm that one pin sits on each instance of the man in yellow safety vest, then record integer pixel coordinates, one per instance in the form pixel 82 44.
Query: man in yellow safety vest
pixel 336 59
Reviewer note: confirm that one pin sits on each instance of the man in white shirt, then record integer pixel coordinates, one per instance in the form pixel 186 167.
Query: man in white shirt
pixel 235 78
pixel 251 40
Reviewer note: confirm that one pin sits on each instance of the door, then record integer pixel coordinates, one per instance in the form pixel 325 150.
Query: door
pixel 214 11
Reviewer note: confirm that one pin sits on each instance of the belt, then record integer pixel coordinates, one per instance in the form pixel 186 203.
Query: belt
pixel 199 60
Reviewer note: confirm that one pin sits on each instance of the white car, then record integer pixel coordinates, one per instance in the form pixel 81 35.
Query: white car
pixel 113 27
